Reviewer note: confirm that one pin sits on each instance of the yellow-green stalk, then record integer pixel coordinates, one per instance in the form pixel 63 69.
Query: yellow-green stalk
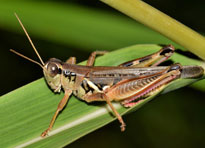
pixel 162 23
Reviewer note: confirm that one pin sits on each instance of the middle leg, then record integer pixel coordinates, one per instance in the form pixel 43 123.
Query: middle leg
pixel 102 97
pixel 91 58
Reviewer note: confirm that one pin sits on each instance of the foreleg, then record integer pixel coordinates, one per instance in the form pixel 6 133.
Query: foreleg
pixel 71 60
pixel 60 107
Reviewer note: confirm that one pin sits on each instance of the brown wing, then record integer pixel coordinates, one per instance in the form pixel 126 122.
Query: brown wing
pixel 131 89
pixel 113 75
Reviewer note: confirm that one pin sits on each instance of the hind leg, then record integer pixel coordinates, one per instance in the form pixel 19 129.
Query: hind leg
pixel 152 59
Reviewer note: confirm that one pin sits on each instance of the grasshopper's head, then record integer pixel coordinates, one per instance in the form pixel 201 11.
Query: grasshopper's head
pixel 52 72
pixel 51 69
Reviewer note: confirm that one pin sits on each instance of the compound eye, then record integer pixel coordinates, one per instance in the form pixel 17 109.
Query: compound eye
pixel 53 69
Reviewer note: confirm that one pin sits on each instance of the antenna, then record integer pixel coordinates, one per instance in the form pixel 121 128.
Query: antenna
pixel 30 43
pixel 27 58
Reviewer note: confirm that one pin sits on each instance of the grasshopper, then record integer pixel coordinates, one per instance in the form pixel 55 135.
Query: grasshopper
pixel 127 83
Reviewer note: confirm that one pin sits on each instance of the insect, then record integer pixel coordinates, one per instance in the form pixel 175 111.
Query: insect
pixel 126 83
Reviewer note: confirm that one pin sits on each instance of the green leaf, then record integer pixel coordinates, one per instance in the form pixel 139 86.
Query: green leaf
pixel 26 112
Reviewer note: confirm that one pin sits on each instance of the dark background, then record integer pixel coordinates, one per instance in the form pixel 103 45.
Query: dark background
pixel 167 121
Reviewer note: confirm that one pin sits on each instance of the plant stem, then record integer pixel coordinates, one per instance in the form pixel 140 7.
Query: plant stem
pixel 153 18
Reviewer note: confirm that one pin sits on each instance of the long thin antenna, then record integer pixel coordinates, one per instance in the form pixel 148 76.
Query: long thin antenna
pixel 27 58
pixel 29 40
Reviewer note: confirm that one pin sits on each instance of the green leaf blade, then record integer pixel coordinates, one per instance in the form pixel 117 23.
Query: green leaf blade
pixel 27 111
